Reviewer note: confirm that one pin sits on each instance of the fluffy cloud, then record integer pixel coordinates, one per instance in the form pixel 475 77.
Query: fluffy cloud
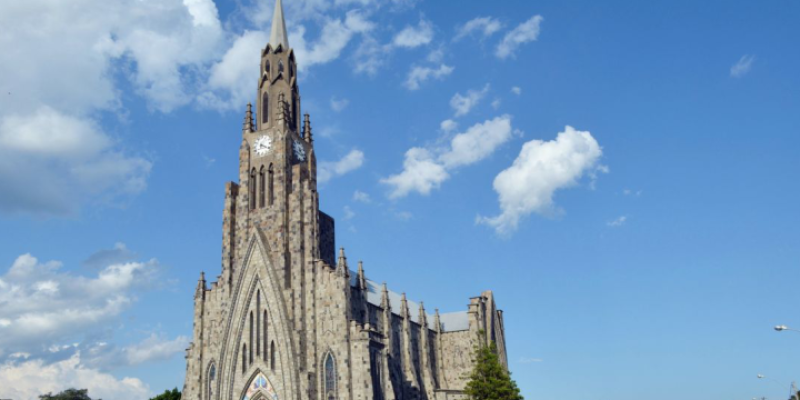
pixel 418 75
pixel 421 173
pixel 155 348
pixel 617 222
pixel 335 35
pixel 487 26
pixel 339 104
pixel 361 197
pixel 463 104
pixel 328 170
pixel 414 36
pixel 516 90
pixel 230 82
pixel 527 31
pixel 26 380
pixel 43 306
pixel 425 170
pixel 68 159
pixel 542 168
pixel 742 67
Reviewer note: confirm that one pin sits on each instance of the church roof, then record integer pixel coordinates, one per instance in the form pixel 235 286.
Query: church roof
pixel 455 321
pixel 278 35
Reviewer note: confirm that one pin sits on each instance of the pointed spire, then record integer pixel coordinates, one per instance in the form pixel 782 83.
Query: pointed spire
pixel 278 35
pixel 423 320
pixel 362 279
pixel 307 129
pixel 342 264
pixel 385 298
pixel 437 322
pixel 201 286
pixel 404 306
pixel 247 126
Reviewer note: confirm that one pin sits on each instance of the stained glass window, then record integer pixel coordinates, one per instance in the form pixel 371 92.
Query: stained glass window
pixel 330 377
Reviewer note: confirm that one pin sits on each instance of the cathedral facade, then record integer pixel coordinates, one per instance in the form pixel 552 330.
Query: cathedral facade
pixel 287 319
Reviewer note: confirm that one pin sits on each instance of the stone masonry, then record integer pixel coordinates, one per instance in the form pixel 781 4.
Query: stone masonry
pixel 287 318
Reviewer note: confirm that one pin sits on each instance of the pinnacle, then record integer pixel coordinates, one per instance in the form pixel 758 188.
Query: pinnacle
pixel 278 35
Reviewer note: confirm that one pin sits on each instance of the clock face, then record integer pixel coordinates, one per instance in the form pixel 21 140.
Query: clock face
pixel 299 151
pixel 262 145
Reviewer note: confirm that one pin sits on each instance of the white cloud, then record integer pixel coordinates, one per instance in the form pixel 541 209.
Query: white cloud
pixel 417 75
pixel 463 104
pixel 348 213
pixel 743 66
pixel 28 379
pixel 542 168
pixel 234 74
pixel 487 26
pixel 339 104
pixel 425 170
pixel 448 125
pixel 496 103
pixel 52 163
pixel 527 31
pixel 155 348
pixel 333 38
pixel 421 173
pixel 412 37
pixel 43 306
pixel 350 162
pixel 361 197
pixel 617 222
pixel 477 143
pixel 516 90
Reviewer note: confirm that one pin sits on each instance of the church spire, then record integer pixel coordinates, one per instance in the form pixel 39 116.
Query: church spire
pixel 278 35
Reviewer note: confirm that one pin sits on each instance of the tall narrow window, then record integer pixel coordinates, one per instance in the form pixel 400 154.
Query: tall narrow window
pixel 280 66
pixel 251 336
pixel 330 378
pixel 258 321
pixel 266 68
pixel 264 108
pixel 294 113
pixel 272 356
pixel 265 335
pixel 244 358
pixel 271 181
pixel 212 375
pixel 291 69
pixel 252 186
pixel 261 189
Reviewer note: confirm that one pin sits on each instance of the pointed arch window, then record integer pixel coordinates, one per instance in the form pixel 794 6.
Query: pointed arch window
pixel 261 183
pixel 252 187
pixel 291 69
pixel 266 68
pixel 258 317
pixel 330 377
pixel 280 66
pixel 264 108
pixel 265 335
pixel 212 375
pixel 272 356
pixel 244 357
pixel 251 337
pixel 271 181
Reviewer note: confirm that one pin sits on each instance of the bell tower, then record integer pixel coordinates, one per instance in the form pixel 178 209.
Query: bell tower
pixel 276 196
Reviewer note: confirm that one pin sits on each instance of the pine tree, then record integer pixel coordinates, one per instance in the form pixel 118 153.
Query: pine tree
pixel 489 380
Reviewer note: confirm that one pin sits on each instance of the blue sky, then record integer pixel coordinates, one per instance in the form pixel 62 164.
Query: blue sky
pixel 623 175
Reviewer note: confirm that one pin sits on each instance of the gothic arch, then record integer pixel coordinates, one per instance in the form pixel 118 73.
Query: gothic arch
pixel 258 272
pixel 211 380
pixel 259 387
pixel 329 378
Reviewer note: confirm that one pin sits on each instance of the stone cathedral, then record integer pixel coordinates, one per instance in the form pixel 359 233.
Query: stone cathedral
pixel 287 319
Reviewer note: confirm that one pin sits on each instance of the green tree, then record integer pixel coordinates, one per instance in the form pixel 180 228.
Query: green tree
pixel 173 394
pixel 69 394
pixel 489 380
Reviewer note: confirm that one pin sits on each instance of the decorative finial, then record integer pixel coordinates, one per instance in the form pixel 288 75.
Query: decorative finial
pixel 385 297
pixel 247 126
pixel 362 279
pixel 307 129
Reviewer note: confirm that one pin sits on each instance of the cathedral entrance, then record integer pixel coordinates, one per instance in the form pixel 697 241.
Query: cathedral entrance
pixel 260 388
